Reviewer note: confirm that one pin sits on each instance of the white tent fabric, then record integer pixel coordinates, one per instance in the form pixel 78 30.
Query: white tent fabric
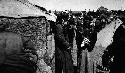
pixel 104 39
pixel 17 9
pixel 105 36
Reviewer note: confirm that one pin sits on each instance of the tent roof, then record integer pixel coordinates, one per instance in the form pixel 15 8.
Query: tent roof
pixel 20 8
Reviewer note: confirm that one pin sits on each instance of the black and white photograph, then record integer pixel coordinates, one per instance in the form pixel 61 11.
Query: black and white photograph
pixel 62 36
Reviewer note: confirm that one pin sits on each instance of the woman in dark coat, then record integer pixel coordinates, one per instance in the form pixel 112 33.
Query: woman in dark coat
pixel 63 58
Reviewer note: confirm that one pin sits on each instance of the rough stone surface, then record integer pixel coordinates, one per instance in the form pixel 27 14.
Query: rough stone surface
pixel 36 29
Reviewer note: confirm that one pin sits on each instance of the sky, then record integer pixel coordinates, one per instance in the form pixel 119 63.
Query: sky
pixel 78 5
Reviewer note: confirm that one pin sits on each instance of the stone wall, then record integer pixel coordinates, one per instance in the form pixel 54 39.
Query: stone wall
pixel 36 28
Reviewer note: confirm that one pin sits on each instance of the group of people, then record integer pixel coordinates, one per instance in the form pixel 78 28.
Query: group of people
pixel 65 29
pixel 20 51
pixel 85 29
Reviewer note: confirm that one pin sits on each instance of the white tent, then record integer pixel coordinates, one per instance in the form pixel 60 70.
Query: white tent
pixel 22 8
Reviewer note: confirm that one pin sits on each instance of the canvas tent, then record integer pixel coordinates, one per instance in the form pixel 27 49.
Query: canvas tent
pixel 22 8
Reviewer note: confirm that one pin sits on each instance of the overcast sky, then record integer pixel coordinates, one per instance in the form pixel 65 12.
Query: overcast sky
pixel 79 4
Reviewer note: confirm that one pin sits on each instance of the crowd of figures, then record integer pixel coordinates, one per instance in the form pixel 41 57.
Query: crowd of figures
pixel 84 27
pixel 85 42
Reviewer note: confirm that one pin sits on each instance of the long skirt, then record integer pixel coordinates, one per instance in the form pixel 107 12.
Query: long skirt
pixel 63 62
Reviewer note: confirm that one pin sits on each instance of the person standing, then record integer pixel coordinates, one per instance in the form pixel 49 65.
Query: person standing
pixel 63 59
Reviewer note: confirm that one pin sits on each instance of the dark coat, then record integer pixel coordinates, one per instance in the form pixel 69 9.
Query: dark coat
pixel 60 40
pixel 63 59
pixel 117 49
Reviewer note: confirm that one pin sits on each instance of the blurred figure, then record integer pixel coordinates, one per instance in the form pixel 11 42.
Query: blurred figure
pixel 17 54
